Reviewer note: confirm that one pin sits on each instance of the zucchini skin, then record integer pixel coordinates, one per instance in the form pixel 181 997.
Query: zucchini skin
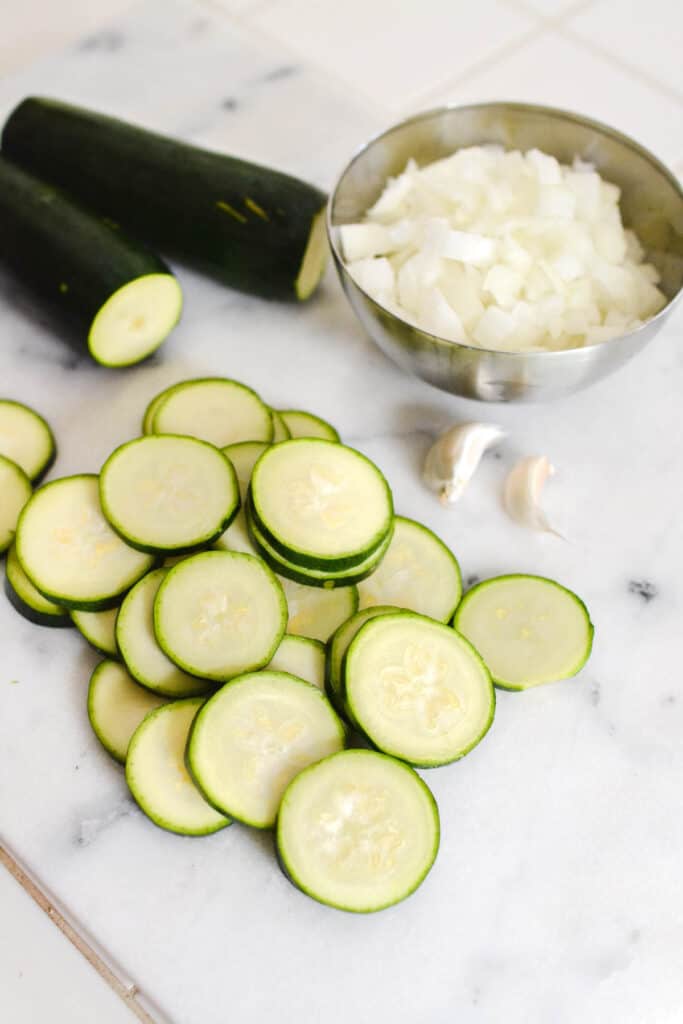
pixel 30 613
pixel 241 222
pixel 70 260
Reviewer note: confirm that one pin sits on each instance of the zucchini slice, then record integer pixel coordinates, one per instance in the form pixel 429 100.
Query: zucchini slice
pixel 418 572
pixel 16 490
pixel 358 831
pixel 300 656
pixel 305 424
pixel 320 504
pixel 213 409
pixel 418 689
pixel 219 614
pixel 243 457
pixel 98 628
pixel 69 551
pixel 153 405
pixel 316 613
pixel 26 600
pixel 157 776
pixel 142 655
pixel 168 494
pixel 528 629
pixel 280 428
pixel 118 298
pixel 26 439
pixel 252 227
pixel 237 538
pixel 116 706
pixel 252 737
pixel 338 645
pixel 306 576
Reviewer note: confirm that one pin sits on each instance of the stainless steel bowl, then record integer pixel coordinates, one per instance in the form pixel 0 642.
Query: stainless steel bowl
pixel 651 204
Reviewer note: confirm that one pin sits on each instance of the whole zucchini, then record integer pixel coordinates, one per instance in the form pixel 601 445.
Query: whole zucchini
pixel 254 228
pixel 119 299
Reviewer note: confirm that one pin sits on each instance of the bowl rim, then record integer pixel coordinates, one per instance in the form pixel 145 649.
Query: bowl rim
pixel 561 114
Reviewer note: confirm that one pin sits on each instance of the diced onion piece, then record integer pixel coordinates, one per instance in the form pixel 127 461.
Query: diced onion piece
pixel 393 197
pixel 468 247
pixel 503 284
pixel 547 168
pixel 556 201
pixel 359 241
pixel 374 276
pixel 437 317
pixel 494 328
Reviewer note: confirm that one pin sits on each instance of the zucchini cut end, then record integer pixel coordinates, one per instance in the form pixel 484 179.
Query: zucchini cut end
pixel 314 261
pixel 135 320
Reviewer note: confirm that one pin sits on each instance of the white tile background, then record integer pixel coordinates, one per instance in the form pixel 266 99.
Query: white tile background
pixel 618 60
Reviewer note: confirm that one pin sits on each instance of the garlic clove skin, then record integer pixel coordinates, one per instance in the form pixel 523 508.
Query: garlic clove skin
pixel 522 493
pixel 453 458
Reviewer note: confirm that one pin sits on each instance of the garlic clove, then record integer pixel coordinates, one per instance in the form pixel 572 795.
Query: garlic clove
pixel 454 457
pixel 522 493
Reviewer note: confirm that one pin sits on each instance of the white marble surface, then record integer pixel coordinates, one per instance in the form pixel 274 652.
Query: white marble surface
pixel 41 971
pixel 557 895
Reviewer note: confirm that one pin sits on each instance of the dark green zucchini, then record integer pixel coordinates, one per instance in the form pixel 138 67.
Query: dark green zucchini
pixel 254 228
pixel 119 299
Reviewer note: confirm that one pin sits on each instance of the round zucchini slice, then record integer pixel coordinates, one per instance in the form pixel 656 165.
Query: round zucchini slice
pixel 244 457
pixel 320 504
pixel 316 613
pixel 168 494
pixel 252 737
pixel 305 424
pixel 338 645
pixel 157 776
pixel 237 538
pixel 69 551
pixel 142 655
pixel 26 600
pixel 216 410
pixel 358 831
pixel 219 614
pixel 280 428
pixel 98 628
pixel 26 439
pixel 15 488
pixel 135 320
pixel 417 689
pixel 307 576
pixel 300 656
pixel 116 706
pixel 528 629
pixel 418 572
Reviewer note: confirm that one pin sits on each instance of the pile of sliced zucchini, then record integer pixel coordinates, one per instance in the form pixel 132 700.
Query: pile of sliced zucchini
pixel 319 513
pixel 258 603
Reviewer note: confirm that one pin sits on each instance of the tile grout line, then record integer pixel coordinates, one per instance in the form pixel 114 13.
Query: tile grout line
pixel 643 77
pixel 127 994
pixel 504 51
pixel 550 19
pixel 542 23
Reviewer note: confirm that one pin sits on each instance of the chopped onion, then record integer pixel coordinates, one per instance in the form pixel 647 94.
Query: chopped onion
pixel 505 250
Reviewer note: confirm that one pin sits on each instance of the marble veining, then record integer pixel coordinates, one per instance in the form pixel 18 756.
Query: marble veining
pixel 644 589
pixel 557 893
